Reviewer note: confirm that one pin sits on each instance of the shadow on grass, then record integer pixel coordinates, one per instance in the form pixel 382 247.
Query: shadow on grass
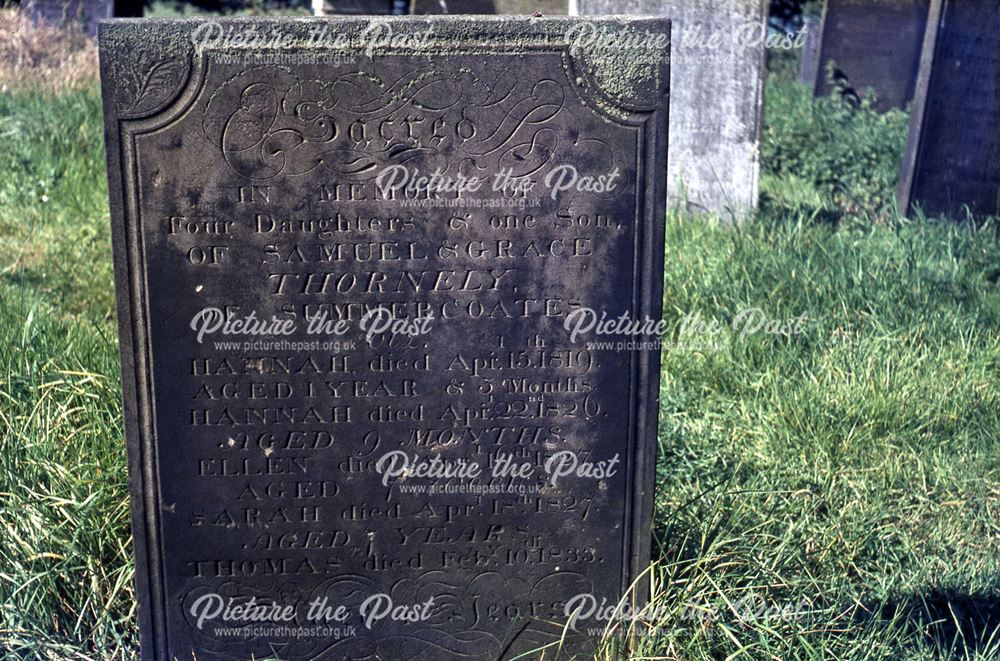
pixel 967 625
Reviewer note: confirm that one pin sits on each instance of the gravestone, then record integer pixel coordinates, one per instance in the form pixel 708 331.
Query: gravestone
pixel 80 14
pixel 357 287
pixel 872 45
pixel 952 161
pixel 809 65
pixel 717 76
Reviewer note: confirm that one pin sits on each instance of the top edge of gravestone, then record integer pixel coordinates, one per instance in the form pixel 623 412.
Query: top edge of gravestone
pixel 625 80
pixel 444 26
pixel 462 20
pixel 362 18
pixel 440 29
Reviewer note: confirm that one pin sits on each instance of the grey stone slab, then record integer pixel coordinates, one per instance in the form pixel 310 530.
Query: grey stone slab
pixel 872 46
pixel 809 64
pixel 717 74
pixel 952 162
pixel 296 461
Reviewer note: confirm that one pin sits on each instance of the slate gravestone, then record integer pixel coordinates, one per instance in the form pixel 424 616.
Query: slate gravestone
pixel 717 76
pixel 873 45
pixel 363 413
pixel 952 160
pixel 81 14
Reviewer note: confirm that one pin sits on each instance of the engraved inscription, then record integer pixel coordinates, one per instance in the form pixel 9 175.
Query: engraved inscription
pixel 371 433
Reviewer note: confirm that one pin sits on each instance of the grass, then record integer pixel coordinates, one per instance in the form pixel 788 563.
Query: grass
pixel 65 556
pixel 851 467
pixel 832 494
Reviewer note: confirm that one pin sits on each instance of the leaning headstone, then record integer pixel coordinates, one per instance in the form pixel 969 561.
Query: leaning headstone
pixel 717 74
pixel 952 162
pixel 380 304
pixel 871 46
pixel 77 14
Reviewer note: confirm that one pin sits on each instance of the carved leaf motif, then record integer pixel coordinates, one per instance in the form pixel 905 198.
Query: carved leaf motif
pixel 149 83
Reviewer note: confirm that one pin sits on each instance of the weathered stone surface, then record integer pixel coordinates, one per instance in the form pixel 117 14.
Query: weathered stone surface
pixel 717 74
pixel 300 464
pixel 952 161
pixel 873 45
pixel 82 14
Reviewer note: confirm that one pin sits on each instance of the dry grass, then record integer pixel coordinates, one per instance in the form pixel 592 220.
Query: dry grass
pixel 41 57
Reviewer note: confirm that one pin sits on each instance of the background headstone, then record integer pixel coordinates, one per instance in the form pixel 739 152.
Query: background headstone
pixel 81 14
pixel 249 181
pixel 506 7
pixel 355 7
pixel 717 74
pixel 809 65
pixel 451 7
pixel 872 45
pixel 952 159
